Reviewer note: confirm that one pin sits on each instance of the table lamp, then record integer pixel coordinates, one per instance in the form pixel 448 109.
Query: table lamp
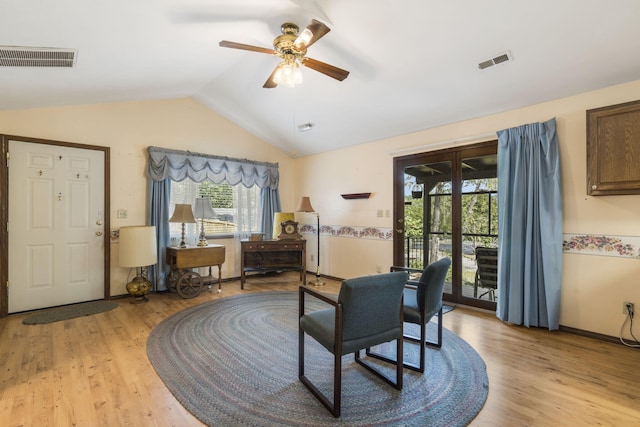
pixel 138 249
pixel 305 206
pixel 183 213
pixel 203 210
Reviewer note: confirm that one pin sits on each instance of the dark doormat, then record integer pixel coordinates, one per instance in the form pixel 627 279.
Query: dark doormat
pixel 69 312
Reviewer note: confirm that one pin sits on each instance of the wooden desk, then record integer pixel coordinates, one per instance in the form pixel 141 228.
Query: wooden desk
pixel 186 282
pixel 273 255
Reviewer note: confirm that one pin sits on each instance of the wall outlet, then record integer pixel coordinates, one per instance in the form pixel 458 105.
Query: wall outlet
pixel 625 308
pixel 311 257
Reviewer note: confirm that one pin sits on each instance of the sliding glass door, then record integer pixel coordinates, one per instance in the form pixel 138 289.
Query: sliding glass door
pixel 445 205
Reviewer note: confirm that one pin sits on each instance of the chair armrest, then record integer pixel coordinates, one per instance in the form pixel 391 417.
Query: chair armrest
pixel 411 283
pixel 329 299
pixel 407 269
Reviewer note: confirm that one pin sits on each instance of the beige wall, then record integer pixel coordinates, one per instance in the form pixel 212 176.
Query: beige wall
pixel 593 287
pixel 128 129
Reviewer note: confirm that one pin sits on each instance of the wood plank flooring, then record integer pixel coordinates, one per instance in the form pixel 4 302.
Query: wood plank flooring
pixel 94 371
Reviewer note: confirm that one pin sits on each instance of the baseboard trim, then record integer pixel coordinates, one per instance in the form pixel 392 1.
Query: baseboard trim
pixel 589 334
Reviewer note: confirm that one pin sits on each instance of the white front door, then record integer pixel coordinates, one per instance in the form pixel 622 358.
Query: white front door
pixel 56 225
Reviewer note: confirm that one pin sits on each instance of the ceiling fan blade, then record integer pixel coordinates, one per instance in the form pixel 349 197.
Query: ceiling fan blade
pixel 314 31
pixel 234 45
pixel 270 84
pixel 329 70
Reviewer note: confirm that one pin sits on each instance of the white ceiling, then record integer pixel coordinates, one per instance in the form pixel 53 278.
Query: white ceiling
pixel 413 63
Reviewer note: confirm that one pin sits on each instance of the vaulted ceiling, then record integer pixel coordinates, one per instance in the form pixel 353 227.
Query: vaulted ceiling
pixel 413 63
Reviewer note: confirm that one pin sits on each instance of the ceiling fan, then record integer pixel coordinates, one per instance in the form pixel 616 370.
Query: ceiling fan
pixel 292 47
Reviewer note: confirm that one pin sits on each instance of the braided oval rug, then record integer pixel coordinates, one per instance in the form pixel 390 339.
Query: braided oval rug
pixel 234 362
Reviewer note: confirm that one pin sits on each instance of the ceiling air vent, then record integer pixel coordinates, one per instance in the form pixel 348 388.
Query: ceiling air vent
pixel 16 56
pixel 498 59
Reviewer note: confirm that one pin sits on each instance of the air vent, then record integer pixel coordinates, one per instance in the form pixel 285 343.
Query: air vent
pixel 498 59
pixel 16 56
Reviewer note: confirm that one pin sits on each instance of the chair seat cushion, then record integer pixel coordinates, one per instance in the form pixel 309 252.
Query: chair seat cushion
pixel 320 325
pixel 412 310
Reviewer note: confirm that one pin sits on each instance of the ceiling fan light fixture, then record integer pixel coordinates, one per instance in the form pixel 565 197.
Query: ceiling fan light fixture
pixel 288 74
pixel 304 38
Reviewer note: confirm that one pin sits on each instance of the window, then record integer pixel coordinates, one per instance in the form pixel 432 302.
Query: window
pixel 237 208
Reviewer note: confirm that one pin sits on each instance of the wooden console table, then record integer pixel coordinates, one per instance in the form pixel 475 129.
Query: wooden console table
pixel 273 255
pixel 182 279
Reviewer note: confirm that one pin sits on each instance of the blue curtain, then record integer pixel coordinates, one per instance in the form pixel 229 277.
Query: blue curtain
pixel 270 203
pixel 529 225
pixel 159 194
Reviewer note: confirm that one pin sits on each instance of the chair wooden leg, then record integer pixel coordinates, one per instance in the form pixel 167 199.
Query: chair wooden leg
pixel 399 365
pixel 337 385
pixel 422 340
pixel 334 407
pixel 300 352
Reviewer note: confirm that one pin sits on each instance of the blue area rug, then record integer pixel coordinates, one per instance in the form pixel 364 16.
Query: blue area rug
pixel 234 361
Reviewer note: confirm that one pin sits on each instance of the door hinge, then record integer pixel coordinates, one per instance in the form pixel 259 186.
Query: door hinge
pixel 7 283
pixel 8 156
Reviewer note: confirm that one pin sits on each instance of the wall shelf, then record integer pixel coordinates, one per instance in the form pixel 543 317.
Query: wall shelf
pixel 356 196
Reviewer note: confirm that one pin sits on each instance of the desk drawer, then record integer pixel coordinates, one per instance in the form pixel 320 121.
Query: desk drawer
pixel 261 246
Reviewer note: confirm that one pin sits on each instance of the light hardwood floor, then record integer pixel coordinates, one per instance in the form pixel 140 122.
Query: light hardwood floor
pixel 94 371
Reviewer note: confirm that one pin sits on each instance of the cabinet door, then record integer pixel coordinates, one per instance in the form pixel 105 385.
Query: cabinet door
pixel 613 149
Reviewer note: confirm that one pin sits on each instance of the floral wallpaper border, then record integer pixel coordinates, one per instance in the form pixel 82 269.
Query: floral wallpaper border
pixel 582 244
pixel 601 245
pixel 370 233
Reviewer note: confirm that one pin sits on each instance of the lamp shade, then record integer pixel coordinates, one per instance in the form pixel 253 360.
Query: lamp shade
pixel 278 218
pixel 203 209
pixel 305 205
pixel 138 246
pixel 182 213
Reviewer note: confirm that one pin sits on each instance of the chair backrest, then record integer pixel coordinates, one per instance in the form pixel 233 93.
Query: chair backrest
pixel 429 291
pixel 371 305
pixel 487 260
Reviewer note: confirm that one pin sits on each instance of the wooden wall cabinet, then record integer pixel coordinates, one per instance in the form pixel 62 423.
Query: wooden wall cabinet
pixel 613 149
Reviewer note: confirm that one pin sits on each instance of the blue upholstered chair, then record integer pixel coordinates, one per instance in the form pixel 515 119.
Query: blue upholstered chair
pixel 422 301
pixel 367 312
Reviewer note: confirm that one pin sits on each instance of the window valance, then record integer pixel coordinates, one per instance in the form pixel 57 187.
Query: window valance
pixel 179 165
